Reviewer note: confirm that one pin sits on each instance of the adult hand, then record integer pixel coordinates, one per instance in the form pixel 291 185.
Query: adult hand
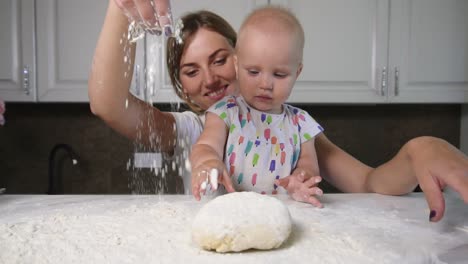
pixel 300 189
pixel 438 164
pixel 150 13
pixel 211 172
pixel 2 111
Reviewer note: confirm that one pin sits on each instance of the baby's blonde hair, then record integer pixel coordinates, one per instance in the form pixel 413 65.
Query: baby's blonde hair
pixel 280 17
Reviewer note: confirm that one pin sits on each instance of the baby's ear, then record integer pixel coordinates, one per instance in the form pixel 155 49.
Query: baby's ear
pixel 236 66
pixel 299 70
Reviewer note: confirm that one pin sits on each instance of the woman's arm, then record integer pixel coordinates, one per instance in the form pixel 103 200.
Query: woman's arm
pixel 109 84
pixel 429 161
pixel 350 175
pixel 340 168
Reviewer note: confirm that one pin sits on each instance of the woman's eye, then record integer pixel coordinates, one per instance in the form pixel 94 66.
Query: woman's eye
pixel 220 61
pixel 191 73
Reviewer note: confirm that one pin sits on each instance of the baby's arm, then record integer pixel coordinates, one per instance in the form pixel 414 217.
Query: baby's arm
pixel 207 154
pixel 302 183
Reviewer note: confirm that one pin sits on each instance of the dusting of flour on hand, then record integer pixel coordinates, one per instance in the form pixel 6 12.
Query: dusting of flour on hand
pixel 242 220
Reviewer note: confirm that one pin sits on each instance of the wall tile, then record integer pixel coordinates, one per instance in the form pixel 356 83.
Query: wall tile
pixel 372 133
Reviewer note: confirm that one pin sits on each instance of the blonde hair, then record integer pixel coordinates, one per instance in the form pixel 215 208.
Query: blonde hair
pixel 191 23
pixel 278 15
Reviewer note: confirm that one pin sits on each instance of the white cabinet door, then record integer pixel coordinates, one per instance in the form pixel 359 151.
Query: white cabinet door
pixel 429 50
pixel 160 84
pixel 67 32
pixel 17 51
pixel 345 51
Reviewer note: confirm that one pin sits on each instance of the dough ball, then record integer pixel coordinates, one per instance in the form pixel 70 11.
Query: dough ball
pixel 242 220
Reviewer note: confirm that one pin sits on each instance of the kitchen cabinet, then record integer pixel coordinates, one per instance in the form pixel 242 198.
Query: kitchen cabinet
pixel 47 48
pixel 17 51
pixel 429 48
pixel 382 51
pixel 66 33
pixel 158 82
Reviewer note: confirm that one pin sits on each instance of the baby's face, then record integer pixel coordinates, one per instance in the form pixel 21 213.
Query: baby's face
pixel 267 67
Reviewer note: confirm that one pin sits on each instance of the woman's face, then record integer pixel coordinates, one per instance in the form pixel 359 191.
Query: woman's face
pixel 207 70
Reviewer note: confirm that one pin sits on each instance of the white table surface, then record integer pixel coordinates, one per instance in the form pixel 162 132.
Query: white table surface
pixel 352 228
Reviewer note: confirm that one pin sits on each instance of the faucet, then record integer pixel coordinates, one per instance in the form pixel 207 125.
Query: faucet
pixel 53 189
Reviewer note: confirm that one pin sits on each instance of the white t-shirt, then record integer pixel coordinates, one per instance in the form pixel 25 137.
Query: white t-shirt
pixel 189 127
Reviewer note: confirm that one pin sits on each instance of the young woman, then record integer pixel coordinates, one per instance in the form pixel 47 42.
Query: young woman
pixel 202 70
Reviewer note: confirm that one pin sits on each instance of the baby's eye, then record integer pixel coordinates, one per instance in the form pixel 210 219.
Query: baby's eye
pixel 252 72
pixel 280 75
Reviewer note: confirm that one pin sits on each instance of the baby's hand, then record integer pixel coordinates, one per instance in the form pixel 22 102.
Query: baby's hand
pixel 211 172
pixel 300 189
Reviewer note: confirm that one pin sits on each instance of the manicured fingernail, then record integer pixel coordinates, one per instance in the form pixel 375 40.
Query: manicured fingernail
pixel 318 180
pixel 432 215
pixel 319 192
pixel 168 30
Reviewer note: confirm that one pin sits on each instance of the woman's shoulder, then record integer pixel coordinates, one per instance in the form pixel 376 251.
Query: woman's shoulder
pixel 188 118
pixel 188 127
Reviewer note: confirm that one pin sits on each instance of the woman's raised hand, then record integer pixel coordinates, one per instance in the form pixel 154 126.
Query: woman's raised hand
pixel 154 15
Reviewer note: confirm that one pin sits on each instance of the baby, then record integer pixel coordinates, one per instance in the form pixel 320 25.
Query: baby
pixel 263 141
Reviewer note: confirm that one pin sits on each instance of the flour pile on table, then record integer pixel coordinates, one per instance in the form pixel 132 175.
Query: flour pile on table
pixel 115 231
pixel 240 221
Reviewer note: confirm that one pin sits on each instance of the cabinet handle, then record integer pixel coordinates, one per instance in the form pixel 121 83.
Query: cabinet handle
pixel 383 86
pixel 397 81
pixel 26 82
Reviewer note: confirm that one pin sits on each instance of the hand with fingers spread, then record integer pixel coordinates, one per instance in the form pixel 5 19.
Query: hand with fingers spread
pixel 154 15
pixel 212 172
pixel 302 189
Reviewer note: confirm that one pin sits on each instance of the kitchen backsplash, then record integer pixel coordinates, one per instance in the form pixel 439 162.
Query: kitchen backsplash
pixel 372 133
